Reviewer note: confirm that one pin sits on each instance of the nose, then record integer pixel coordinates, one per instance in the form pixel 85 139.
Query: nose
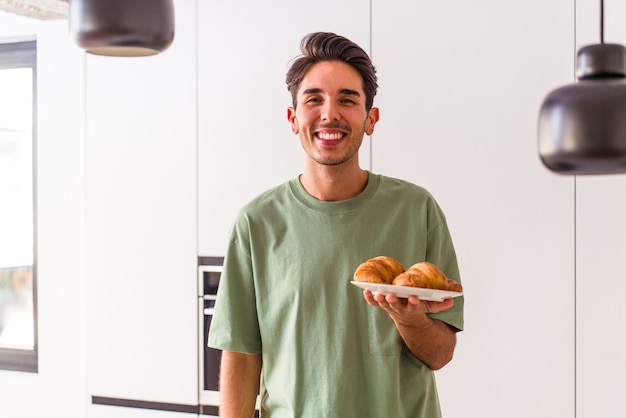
pixel 330 112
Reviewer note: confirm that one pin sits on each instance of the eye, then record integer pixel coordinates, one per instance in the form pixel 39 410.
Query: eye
pixel 312 99
pixel 348 100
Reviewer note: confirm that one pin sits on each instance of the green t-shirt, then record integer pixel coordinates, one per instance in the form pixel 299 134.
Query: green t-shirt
pixel 285 292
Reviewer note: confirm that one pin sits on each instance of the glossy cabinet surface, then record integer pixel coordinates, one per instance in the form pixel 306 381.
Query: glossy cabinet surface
pixel 600 284
pixel 600 249
pixel 141 222
pixel 461 86
pixel 245 144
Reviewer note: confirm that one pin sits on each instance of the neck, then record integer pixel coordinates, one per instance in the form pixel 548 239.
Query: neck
pixel 334 183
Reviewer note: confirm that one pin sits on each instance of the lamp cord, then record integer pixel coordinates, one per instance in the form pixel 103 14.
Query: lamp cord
pixel 601 21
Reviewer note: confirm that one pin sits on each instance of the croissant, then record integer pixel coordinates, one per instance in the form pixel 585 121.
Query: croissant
pixel 426 275
pixel 381 269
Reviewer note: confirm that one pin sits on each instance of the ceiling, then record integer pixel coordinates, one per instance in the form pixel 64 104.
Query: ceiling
pixel 36 9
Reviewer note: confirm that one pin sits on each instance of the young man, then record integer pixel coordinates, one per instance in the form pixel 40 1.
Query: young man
pixel 290 323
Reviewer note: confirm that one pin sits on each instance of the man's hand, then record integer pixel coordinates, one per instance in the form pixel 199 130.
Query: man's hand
pixel 430 340
pixel 400 307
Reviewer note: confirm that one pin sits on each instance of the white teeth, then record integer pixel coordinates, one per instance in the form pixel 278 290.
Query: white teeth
pixel 330 136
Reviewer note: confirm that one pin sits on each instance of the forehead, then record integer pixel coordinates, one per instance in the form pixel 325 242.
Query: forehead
pixel 331 77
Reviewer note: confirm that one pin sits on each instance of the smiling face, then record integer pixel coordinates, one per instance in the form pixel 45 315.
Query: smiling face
pixel 330 116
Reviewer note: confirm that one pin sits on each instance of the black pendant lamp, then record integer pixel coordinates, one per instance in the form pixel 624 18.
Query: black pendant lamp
pixel 122 28
pixel 582 126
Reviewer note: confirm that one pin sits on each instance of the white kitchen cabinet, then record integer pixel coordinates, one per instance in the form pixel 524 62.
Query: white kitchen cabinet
pixel 600 286
pixel 461 87
pixel 141 222
pixel 245 144
pixel 600 249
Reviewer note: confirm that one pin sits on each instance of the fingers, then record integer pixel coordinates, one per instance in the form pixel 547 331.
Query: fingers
pixel 380 300
pixel 392 303
pixel 388 302
pixel 441 306
pixel 369 297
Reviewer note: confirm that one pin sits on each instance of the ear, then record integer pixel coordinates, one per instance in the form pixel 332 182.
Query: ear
pixel 372 118
pixel 291 117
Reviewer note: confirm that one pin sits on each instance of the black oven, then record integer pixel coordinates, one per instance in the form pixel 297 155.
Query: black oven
pixel 209 272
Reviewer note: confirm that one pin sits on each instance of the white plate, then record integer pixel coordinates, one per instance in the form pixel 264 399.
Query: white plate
pixel 406 291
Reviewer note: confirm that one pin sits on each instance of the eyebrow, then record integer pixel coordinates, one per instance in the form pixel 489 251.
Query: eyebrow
pixel 315 90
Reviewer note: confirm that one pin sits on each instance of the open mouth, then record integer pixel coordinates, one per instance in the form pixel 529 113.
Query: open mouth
pixel 330 136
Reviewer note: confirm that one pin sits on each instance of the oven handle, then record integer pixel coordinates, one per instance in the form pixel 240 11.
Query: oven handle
pixel 209 311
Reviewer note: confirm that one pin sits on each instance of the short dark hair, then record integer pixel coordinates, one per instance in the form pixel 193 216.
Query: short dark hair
pixel 326 46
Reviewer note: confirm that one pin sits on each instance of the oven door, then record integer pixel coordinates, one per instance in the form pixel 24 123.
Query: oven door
pixel 209 358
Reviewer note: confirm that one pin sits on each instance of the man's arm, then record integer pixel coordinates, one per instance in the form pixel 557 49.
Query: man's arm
pixel 428 339
pixel 239 384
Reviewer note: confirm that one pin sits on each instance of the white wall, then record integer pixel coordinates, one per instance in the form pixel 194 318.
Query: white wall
pixel 460 89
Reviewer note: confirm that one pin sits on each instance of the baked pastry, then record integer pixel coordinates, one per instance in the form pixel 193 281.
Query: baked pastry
pixel 426 275
pixel 381 269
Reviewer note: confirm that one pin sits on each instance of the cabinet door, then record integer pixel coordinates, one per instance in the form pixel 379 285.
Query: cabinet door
pixel 600 251
pixel 462 83
pixel 600 286
pixel 245 142
pixel 141 222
